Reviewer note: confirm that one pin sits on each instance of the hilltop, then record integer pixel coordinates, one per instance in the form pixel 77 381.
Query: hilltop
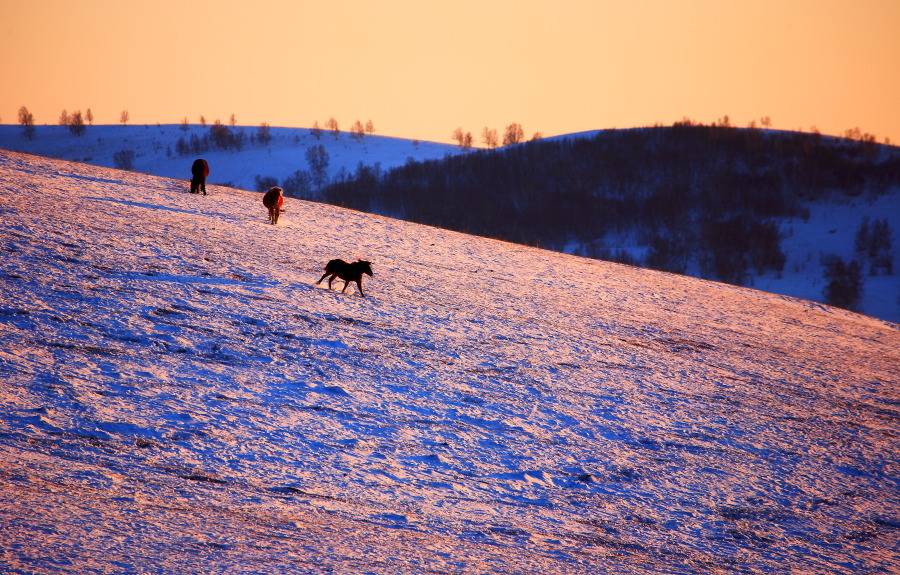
pixel 180 397
pixel 156 150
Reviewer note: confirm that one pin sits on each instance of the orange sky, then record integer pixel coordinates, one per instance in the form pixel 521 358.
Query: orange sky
pixel 422 68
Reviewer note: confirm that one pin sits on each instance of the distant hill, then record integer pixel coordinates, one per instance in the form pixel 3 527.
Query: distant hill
pixel 235 162
pixel 768 209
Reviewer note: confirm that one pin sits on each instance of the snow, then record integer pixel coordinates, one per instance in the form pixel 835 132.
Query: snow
pixel 155 150
pixel 180 397
pixel 831 229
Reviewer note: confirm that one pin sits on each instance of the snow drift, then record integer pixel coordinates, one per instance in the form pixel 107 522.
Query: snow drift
pixel 179 397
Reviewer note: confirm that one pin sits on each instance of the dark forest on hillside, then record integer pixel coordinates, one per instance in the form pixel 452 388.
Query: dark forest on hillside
pixel 709 194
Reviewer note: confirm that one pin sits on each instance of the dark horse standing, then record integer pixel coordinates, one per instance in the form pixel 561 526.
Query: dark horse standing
pixel 273 200
pixel 199 171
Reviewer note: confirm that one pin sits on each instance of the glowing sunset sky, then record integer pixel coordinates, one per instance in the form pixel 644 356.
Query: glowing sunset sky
pixel 422 68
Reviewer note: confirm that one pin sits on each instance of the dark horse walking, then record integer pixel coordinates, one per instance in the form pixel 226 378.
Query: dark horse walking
pixel 347 272
pixel 199 171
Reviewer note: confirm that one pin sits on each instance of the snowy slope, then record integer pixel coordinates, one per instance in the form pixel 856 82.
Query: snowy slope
pixel 831 228
pixel 156 152
pixel 179 397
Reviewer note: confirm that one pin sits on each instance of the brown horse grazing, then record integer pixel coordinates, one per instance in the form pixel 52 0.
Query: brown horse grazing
pixel 273 200
pixel 347 272
pixel 199 172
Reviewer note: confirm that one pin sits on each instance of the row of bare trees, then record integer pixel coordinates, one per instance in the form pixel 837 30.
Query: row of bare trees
pixel 75 121
pixel 357 131
pixel 222 137
pixel 514 134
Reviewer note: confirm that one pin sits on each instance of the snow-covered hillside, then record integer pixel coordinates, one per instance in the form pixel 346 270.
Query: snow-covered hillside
pixel 178 396
pixel 830 230
pixel 155 149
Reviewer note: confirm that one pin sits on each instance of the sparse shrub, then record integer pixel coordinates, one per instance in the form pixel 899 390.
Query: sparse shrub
pixel 845 282
pixel 221 135
pixel 732 245
pixel 298 185
pixel 76 123
pixel 765 247
pixel 316 131
pixel 667 253
pixel 263 183
pixel 239 138
pixel 124 159
pixel 514 134
pixel 489 137
pixel 26 120
pixel 468 141
pixel 264 134
pixel 318 159
pixel 199 145
pixel 333 126
pixel 358 131
pixel 863 235
pixel 459 135
pixel 874 243
pixel 464 139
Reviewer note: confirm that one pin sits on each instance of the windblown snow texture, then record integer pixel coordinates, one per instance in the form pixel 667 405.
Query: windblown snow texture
pixel 178 397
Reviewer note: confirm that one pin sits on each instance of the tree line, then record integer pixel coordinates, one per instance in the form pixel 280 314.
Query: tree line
pixel 707 195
